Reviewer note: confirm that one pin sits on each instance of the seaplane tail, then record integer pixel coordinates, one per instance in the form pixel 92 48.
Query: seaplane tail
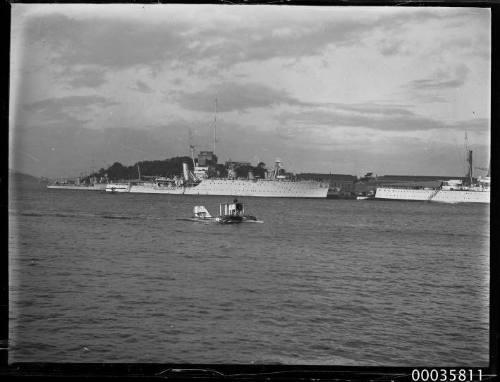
pixel 201 212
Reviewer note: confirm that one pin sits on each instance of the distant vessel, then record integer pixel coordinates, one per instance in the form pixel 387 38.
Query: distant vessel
pixel 451 191
pixel 79 184
pixel 117 187
pixel 366 195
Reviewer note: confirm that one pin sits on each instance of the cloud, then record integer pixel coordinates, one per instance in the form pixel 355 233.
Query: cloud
pixel 289 38
pixel 245 44
pixel 390 47
pixel 376 117
pixel 237 97
pixel 442 79
pixel 61 103
pixel 433 84
pixel 62 111
pixel 142 87
pixel 250 34
pixel 478 125
pixel 86 77
pixel 114 43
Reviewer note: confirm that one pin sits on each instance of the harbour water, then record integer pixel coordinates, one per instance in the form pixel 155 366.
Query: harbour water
pixel 97 277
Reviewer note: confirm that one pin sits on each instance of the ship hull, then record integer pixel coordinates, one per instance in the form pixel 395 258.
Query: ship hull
pixel 155 189
pixel 225 187
pixel 442 196
pixel 259 188
pixel 96 187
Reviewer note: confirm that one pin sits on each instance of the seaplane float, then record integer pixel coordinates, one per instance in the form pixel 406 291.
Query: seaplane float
pixel 229 213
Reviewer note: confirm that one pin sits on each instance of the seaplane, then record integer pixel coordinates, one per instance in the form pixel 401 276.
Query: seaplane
pixel 229 213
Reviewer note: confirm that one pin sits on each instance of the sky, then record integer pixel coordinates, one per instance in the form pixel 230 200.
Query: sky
pixel 389 90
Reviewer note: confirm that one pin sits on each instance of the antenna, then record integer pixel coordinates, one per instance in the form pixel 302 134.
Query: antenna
pixel 190 137
pixel 191 147
pixel 470 166
pixel 468 154
pixel 215 124
pixel 466 150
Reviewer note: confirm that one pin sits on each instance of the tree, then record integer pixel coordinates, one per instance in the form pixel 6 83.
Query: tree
pixel 167 167
pixel 220 170
pixel 260 170
pixel 242 171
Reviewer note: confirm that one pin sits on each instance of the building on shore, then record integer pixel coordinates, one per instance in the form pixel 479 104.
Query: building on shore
pixel 235 164
pixel 340 185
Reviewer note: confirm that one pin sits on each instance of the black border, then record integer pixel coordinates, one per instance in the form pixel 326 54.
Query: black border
pixel 201 372
pixel 4 171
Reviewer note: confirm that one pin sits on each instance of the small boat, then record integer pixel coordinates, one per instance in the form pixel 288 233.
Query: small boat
pixel 117 187
pixel 229 213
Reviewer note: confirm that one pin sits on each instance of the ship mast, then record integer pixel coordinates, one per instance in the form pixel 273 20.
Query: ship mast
pixel 215 126
pixel 469 159
pixel 191 147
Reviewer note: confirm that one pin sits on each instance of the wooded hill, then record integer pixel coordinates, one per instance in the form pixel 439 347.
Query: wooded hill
pixel 168 168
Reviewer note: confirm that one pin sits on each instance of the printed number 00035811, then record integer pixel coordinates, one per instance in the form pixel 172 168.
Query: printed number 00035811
pixel 446 375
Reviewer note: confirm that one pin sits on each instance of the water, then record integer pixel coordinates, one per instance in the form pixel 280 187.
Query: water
pixel 96 277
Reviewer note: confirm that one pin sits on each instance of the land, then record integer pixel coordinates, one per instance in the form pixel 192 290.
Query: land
pixel 18 177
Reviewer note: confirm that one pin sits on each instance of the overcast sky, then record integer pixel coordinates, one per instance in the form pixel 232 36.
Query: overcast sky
pixel 391 90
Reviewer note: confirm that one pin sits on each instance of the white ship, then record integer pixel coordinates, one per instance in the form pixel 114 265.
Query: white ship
pixel 77 184
pixel 259 187
pixel 159 185
pixel 450 191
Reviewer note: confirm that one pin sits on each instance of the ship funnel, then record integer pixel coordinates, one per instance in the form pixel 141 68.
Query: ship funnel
pixel 185 170
pixel 469 159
